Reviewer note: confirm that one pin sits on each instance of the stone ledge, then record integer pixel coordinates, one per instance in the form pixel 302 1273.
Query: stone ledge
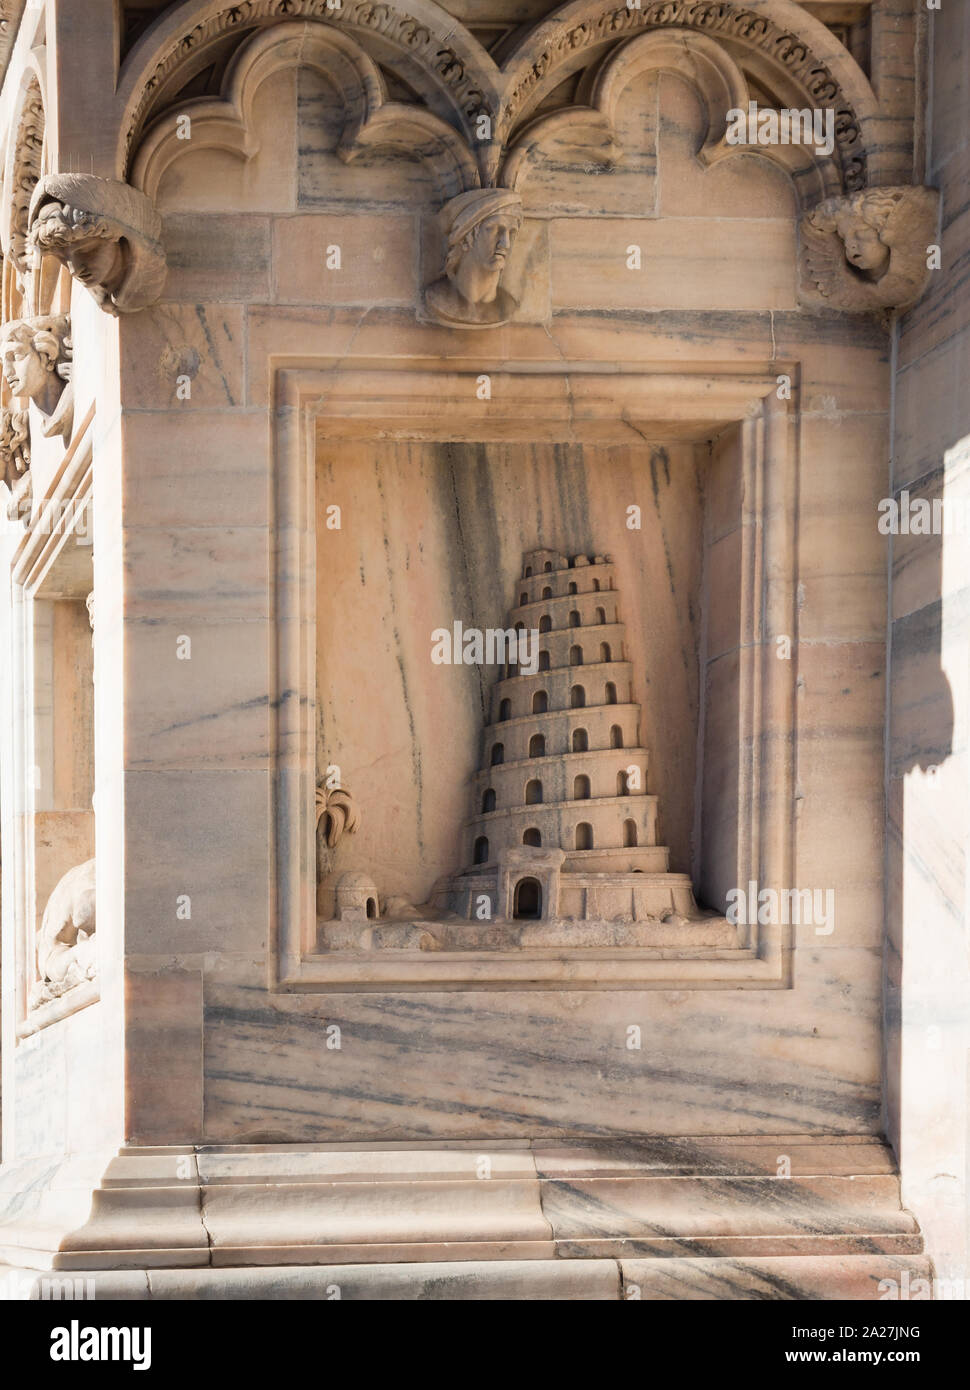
pixel 809 1278
pixel 302 1205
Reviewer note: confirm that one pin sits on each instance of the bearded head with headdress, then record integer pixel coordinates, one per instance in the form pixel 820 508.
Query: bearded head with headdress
pixel 478 229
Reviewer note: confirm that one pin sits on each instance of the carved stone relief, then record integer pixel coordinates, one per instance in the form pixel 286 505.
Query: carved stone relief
pixel 106 233
pixel 575 858
pixel 15 462
pixel 37 360
pixel 479 228
pixel 868 251
pixel 66 949
pixel 478 126
pixel 456 77
pixel 27 170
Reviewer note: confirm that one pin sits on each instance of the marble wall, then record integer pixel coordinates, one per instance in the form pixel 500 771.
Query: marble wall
pixel 250 291
pixel 928 954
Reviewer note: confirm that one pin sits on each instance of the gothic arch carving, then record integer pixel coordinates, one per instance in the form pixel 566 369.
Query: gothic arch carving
pixel 432 52
pixel 714 75
pixel 372 123
pixel 787 46
pixel 790 53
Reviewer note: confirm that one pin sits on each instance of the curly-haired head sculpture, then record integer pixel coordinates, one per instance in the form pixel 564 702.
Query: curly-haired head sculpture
pixel 106 233
pixel 869 250
pixel 36 359
pixel 479 228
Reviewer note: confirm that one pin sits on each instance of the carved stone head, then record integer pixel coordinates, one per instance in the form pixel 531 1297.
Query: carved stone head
pixel 106 233
pixel 36 355
pixel 479 229
pixel 869 250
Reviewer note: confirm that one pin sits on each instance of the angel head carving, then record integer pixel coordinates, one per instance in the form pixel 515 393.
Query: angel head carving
pixel 36 356
pixel 869 250
pixel 479 229
pixel 106 233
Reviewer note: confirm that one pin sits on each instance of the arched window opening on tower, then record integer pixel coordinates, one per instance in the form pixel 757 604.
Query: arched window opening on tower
pixel 533 792
pixel 545 623
pixel 577 697
pixel 547 566
pixel 572 587
pixel 488 801
pixel 605 654
pixel 622 784
pixel 372 907
pixel 543 661
pixel 532 838
pixel 610 693
pixel 581 788
pixel 629 834
pixel 547 592
pixel 596 585
pixel 505 711
pixel 601 615
pixel 523 599
pixel 574 618
pixel 580 741
pixel 498 754
pixel 528 898
pixel 575 656
pixel 528 572
pixel 540 702
pixel 616 736
pixel 537 746
pixel 584 835
pixel 481 850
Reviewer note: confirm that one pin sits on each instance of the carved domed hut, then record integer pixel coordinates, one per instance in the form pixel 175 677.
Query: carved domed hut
pixel 563 825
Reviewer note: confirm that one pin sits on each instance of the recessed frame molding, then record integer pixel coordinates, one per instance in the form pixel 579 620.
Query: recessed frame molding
pixel 330 398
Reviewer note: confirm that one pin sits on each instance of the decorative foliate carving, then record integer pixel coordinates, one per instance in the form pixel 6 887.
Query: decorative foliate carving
pixel 478 228
pixel 869 251
pixel 28 153
pixel 37 361
pixel 15 462
pixel 338 814
pixel 106 233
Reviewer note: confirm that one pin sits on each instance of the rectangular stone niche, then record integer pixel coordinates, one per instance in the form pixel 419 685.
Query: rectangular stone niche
pixel 55 818
pixel 401 525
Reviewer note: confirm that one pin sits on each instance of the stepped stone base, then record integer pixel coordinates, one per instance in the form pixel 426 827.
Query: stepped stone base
pixel 714 1218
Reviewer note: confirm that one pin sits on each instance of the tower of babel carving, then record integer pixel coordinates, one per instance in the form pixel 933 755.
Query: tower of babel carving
pixel 563 825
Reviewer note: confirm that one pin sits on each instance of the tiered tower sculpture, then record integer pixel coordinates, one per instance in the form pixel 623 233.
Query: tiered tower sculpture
pixel 561 797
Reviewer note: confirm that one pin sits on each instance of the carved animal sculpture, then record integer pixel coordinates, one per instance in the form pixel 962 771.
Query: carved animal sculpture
pixel 65 945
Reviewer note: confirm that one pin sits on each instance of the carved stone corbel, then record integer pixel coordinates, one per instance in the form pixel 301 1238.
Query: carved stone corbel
pixel 37 360
pixel 478 229
pixel 868 251
pixel 106 233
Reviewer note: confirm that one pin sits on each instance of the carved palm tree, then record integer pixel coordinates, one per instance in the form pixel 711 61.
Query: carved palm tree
pixel 340 815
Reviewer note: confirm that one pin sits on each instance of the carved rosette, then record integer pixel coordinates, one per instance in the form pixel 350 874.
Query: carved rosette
pixel 868 251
